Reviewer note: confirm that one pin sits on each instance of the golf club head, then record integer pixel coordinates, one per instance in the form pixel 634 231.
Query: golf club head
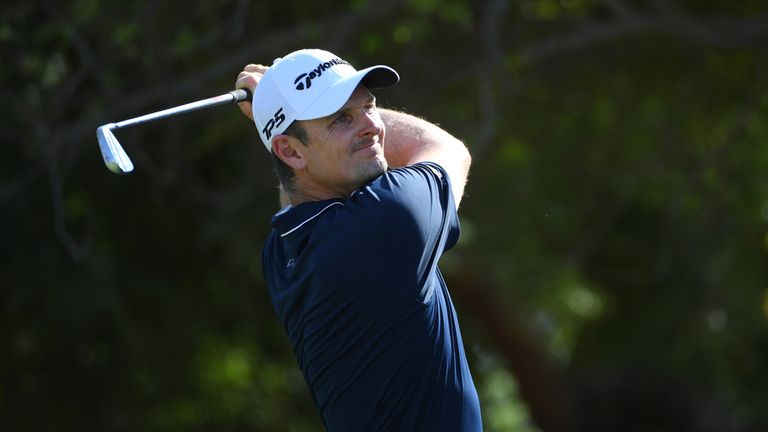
pixel 114 156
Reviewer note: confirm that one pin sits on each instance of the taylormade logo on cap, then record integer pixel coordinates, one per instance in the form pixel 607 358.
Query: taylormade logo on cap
pixel 318 71
pixel 309 84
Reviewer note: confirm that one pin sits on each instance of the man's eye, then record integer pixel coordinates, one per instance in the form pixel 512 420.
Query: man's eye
pixel 344 118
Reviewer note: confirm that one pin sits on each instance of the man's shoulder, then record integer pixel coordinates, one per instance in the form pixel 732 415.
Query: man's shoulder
pixel 423 176
pixel 422 167
pixel 392 198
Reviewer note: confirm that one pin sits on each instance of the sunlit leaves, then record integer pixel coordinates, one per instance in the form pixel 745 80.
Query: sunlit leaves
pixel 54 71
pixel 452 11
pixel 541 9
pixel 6 32
pixel 184 43
pixel 371 43
pixel 501 405
pixel 125 33
pixel 402 34
pixel 84 11
pixel 514 152
pixel 548 10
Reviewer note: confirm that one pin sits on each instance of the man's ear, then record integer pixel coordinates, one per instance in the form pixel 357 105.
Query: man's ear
pixel 289 150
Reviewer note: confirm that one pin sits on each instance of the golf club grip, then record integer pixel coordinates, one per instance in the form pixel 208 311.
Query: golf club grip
pixel 228 98
pixel 241 95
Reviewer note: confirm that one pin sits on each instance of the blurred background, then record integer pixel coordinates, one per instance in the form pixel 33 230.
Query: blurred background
pixel 613 269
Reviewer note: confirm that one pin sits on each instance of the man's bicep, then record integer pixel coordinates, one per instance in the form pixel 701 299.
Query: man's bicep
pixel 416 200
pixel 457 171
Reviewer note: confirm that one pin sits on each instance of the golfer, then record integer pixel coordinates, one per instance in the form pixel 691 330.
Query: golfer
pixel 370 201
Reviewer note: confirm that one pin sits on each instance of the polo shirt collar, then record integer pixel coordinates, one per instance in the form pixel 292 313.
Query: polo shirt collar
pixel 291 219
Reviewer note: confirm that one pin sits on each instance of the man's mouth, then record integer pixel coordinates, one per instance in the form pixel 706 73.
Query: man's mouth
pixel 364 145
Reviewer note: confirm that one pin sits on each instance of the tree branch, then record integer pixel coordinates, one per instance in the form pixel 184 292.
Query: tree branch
pixel 719 33
pixel 12 187
pixel 488 79
pixel 175 88
pixel 75 251
pixel 620 8
pixel 239 20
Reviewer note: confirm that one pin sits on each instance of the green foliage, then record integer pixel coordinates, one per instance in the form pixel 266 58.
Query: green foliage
pixel 501 405
pixel 618 200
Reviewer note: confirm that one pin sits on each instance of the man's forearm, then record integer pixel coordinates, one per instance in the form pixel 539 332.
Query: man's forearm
pixel 408 137
pixel 410 140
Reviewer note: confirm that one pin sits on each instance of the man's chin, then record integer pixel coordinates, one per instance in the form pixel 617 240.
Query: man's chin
pixel 371 170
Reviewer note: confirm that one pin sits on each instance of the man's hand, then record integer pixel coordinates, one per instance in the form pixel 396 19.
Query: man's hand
pixel 249 78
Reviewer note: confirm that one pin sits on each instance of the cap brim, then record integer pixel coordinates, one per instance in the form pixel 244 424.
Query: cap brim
pixel 334 97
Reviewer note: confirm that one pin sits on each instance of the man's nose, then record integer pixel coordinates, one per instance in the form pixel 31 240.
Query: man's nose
pixel 371 124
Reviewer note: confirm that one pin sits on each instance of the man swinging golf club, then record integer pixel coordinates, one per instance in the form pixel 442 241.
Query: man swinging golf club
pixel 371 198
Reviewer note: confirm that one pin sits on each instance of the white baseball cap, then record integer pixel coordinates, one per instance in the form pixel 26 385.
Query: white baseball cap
pixel 309 84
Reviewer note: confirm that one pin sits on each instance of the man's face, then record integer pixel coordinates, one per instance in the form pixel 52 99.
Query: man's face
pixel 345 149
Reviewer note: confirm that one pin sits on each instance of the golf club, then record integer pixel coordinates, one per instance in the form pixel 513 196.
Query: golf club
pixel 115 157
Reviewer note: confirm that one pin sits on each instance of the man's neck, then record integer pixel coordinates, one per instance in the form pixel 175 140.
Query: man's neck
pixel 302 193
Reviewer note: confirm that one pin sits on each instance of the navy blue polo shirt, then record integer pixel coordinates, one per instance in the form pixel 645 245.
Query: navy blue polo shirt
pixel 355 283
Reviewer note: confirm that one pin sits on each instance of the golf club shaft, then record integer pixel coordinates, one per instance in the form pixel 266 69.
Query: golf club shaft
pixel 231 97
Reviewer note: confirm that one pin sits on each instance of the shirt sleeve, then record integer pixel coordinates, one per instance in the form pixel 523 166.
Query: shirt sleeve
pixel 416 216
